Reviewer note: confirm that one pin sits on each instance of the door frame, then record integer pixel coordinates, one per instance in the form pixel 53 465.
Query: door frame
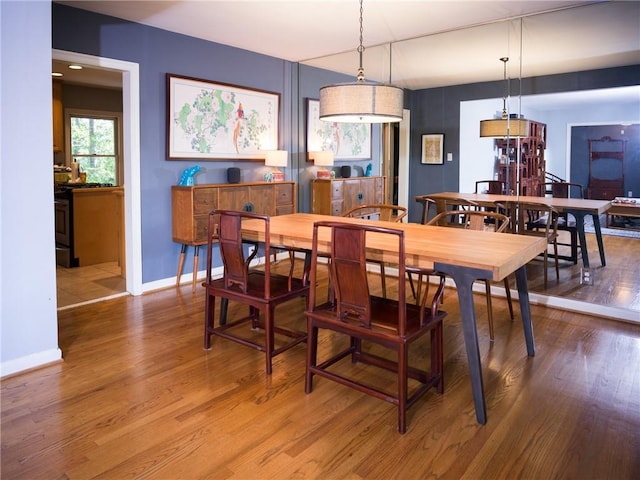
pixel 131 160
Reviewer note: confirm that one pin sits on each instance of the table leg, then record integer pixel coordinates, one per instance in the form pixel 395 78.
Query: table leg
pixel 464 279
pixel 596 226
pixel 525 309
pixel 580 214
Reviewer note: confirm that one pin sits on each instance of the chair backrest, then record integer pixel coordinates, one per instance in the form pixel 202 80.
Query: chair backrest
pixel 348 251
pixel 490 186
pixel 473 220
pixel 225 229
pixel 381 211
pixel 541 216
pixel 561 190
pixel 450 212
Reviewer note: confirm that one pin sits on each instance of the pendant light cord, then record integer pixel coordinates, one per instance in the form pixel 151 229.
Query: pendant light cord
pixel 506 88
pixel 360 76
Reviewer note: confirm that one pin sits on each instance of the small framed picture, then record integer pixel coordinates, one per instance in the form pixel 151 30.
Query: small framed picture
pixel 432 149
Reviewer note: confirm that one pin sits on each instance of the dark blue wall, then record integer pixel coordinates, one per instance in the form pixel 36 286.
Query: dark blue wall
pixel 580 136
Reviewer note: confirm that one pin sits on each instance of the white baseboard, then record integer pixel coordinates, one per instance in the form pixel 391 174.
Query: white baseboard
pixel 29 362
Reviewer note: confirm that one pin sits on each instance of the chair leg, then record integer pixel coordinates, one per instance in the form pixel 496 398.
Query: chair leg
pixel 437 355
pixel 555 252
pixel 312 355
pixel 403 360
pixel 209 319
pixel 269 337
pixel 507 291
pixel 413 288
pixel 487 285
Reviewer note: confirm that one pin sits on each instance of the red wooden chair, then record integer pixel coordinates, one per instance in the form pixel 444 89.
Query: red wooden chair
pixel 477 220
pixel 364 318
pixel 259 289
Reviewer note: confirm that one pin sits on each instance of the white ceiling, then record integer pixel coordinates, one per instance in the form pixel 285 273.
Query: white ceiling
pixel 433 43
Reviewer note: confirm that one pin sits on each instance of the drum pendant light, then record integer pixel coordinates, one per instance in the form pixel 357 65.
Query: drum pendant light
pixel 361 101
pixel 507 125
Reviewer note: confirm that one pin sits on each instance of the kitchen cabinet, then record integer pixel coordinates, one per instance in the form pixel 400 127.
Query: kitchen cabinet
pixel 97 225
pixel 335 196
pixel 58 118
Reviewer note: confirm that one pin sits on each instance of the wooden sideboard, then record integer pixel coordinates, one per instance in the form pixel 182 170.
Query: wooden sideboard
pixel 334 196
pixel 191 207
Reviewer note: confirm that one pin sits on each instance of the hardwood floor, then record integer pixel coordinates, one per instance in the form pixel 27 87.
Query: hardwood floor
pixel 137 397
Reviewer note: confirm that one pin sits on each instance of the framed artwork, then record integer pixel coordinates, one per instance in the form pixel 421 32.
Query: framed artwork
pixel 432 149
pixel 209 121
pixel 347 141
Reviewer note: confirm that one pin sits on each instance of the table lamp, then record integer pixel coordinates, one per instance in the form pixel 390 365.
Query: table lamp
pixel 323 160
pixel 276 158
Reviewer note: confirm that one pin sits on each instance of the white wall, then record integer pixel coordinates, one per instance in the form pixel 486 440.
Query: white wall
pixel 28 317
pixel 477 155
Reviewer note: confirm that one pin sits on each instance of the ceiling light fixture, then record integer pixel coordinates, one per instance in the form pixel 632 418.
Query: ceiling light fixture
pixel 75 67
pixel 507 125
pixel 56 74
pixel 361 101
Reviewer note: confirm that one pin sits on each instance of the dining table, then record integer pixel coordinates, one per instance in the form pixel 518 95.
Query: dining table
pixel 463 255
pixel 578 207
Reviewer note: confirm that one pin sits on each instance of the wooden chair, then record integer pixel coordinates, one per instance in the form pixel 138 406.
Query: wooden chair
pixel 448 214
pixel 383 212
pixel 477 220
pixel 540 220
pixel 566 222
pixel 259 289
pixel 390 323
pixel 490 186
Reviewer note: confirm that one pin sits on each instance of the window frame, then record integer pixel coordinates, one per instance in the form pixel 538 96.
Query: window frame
pixel 99 115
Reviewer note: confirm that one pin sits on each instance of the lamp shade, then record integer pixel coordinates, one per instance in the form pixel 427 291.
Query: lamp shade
pixel 323 159
pixel 276 158
pixel 361 102
pixel 504 127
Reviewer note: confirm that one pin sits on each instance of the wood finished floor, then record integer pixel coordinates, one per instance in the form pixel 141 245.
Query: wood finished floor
pixel 137 397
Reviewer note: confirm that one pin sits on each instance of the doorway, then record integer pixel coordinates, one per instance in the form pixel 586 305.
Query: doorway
pixel 131 160
pixel 395 160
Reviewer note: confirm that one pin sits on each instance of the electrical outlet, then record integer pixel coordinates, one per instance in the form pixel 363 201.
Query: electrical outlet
pixel 586 276
pixel 629 194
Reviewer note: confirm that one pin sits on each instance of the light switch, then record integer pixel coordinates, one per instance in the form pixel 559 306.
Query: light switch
pixel 449 157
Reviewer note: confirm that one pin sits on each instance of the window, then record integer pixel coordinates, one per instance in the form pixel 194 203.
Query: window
pixel 93 143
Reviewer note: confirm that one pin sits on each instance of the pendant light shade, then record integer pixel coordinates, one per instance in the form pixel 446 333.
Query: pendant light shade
pixel 361 101
pixel 504 127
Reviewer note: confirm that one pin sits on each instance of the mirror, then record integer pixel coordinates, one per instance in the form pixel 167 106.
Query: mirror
pixel 529 43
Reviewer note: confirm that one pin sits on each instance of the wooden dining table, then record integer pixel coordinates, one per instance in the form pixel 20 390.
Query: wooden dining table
pixel 464 255
pixel 578 207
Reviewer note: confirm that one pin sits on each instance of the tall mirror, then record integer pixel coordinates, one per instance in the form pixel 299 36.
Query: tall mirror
pixel 574 121
pixel 572 116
